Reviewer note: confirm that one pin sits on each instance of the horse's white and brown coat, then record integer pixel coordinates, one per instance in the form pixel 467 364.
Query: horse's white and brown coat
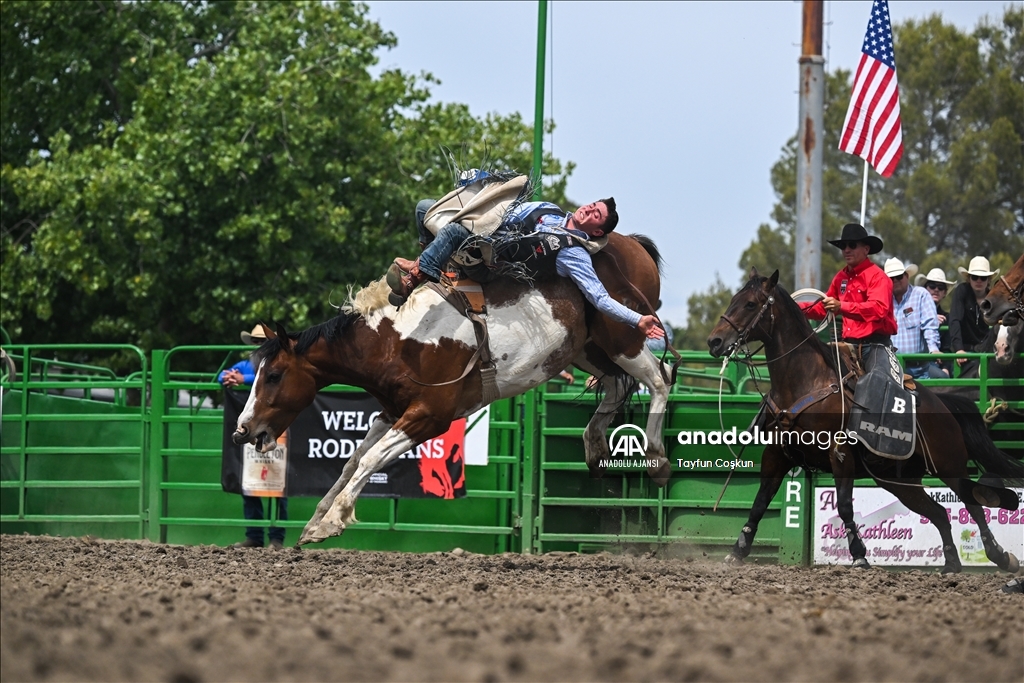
pixel 406 358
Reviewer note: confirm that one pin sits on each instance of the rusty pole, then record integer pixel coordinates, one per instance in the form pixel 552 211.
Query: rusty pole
pixel 809 150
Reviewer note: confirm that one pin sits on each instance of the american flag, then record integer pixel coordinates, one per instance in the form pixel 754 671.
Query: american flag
pixel 872 130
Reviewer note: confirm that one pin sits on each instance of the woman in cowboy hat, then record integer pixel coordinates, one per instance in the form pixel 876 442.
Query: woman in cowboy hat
pixel 967 327
pixel 936 284
pixel 861 292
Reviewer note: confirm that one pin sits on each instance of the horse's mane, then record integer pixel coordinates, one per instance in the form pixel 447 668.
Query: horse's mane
pixel 328 331
pixel 791 308
pixel 369 299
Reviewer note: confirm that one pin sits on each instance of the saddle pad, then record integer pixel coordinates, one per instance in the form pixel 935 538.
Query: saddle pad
pixel 884 414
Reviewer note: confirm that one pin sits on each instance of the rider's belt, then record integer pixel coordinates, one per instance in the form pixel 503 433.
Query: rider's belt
pixel 883 339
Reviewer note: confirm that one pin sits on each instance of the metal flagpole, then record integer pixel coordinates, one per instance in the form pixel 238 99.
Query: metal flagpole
pixel 864 194
pixel 538 116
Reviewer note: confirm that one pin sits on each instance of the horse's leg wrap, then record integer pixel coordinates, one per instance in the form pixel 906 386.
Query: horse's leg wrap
pixel 595 439
pixel 743 545
pixel 857 548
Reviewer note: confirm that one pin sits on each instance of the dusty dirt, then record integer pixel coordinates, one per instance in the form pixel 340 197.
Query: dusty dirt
pixel 85 609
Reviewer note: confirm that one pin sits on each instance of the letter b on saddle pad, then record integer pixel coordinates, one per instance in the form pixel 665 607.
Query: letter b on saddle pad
pixel 884 412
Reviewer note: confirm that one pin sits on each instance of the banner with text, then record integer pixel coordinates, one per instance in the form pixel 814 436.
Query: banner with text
pixel 322 439
pixel 895 536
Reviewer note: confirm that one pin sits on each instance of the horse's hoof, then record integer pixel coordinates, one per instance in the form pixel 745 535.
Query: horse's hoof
pixel 662 474
pixel 1012 564
pixel 951 569
pixel 596 472
pixel 734 560
pixel 861 563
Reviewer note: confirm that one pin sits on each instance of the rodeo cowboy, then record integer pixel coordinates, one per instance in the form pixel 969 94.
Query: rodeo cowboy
pixel 861 292
pixel 489 220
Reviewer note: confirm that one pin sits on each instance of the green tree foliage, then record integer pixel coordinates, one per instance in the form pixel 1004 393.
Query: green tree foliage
pixel 957 192
pixel 172 172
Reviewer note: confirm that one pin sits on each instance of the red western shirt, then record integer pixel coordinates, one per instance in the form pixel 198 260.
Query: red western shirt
pixel 865 300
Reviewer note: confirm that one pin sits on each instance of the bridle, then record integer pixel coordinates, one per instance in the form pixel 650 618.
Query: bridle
pixel 741 338
pixel 1016 295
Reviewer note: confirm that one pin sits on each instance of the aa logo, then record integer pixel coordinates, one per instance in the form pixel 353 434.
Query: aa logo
pixel 628 441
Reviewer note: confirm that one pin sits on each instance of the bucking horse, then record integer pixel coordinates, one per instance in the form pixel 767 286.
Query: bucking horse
pixel 410 359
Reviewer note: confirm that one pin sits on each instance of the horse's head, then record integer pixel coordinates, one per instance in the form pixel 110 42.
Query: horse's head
pixel 1008 338
pixel 745 318
pixel 285 385
pixel 1007 294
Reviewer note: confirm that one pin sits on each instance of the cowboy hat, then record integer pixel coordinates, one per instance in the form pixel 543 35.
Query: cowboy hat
pixel 978 266
pixel 894 267
pixel 934 275
pixel 257 336
pixel 854 232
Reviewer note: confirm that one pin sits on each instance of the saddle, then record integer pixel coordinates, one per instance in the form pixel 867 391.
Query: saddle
pixel 884 413
pixel 467 297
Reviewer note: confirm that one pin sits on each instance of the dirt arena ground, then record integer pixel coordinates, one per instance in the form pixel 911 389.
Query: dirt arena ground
pixel 85 609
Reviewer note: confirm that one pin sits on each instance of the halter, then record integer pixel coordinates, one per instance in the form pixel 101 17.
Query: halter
pixel 1016 295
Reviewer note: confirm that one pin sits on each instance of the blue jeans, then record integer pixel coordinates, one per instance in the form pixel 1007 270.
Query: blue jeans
pixel 929 369
pixel 435 257
pixel 426 237
pixel 252 508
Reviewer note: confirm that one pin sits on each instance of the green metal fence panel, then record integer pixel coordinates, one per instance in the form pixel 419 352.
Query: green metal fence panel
pixel 72 456
pixel 625 509
pixel 185 456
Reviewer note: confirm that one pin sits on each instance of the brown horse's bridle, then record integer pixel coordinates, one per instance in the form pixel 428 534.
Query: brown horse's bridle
pixel 1016 295
pixel 741 339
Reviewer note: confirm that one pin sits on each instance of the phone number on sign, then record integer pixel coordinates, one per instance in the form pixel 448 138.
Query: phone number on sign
pixel 1002 517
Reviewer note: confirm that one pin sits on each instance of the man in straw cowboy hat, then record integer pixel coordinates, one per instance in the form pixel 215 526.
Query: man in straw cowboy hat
pixel 861 292
pixel 916 322
pixel 967 326
pixel 936 284
pixel 243 372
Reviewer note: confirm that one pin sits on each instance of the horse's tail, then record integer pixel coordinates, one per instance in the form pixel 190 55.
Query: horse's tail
pixel 979 442
pixel 650 247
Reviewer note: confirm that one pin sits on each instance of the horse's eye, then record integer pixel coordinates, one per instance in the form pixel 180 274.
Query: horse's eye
pixel 273 377
pixel 750 304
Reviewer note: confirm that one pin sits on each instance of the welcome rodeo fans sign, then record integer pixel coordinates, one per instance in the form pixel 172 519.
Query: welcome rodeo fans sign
pixel 319 444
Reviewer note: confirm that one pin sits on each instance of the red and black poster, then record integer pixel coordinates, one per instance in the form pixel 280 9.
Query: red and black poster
pixel 323 438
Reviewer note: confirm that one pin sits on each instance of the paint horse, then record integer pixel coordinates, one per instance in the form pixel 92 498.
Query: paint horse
pixel 805 377
pixel 407 358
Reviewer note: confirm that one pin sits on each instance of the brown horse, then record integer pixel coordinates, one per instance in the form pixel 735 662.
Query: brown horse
pixel 1006 295
pixel 802 370
pixel 410 358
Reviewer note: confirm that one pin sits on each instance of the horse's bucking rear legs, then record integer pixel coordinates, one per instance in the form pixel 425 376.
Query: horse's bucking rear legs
pixel 774 466
pixel 648 369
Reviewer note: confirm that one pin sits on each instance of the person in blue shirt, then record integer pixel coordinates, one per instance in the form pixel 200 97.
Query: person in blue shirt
pixel 242 372
pixel 917 325
pixel 581 231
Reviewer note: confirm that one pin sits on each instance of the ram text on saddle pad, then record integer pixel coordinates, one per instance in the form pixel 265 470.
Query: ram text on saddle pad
pixel 884 414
